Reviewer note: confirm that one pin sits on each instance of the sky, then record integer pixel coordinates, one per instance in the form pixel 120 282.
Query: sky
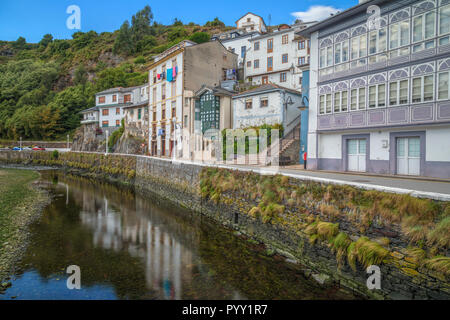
pixel 32 19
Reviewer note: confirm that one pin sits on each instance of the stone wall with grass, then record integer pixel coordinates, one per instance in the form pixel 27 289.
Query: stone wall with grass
pixel 335 232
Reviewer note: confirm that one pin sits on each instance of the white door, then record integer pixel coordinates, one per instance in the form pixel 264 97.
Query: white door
pixel 408 156
pixel 356 155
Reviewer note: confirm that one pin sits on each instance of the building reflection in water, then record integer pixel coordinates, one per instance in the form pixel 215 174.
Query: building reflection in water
pixel 144 231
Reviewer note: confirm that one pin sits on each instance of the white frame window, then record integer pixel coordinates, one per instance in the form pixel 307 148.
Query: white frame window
pixel 325 103
pixel 264 99
pixel 399 90
pixel 341 52
pixel 358 99
pixel 377 96
pixel 358 47
pixel 341 101
pixel 399 34
pixel 444 13
pixel 326 57
pixel 378 41
pixel 424 26
pixel 443 85
pixel 422 88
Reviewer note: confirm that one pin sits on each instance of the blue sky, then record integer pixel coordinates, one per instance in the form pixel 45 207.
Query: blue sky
pixel 32 19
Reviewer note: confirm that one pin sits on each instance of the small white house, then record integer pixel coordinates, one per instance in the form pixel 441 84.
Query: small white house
pixel 268 104
pixel 110 105
pixel 251 22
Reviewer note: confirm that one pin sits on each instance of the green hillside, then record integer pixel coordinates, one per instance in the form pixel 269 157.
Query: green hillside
pixel 44 86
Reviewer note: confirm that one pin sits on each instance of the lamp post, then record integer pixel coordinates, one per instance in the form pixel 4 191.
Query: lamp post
pixel 107 132
pixel 20 144
pixel 67 141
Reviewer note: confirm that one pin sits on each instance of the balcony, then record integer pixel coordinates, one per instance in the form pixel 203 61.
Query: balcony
pixel 87 120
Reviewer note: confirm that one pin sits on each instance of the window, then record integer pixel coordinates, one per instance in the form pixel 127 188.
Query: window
pixel 256 45
pixel 377 41
pixel 105 112
pixel 399 34
pixel 444 20
pixel 154 115
pixel 326 57
pixel 243 49
pixel 139 114
pixel 340 101
pixel 154 76
pixel 270 45
pixel 174 88
pixel 127 98
pixel 117 110
pixel 117 123
pixel 301 61
pixel 101 99
pixel 269 63
pixel 301 44
pixel 256 64
pixel 422 89
pixel 174 111
pixel 358 99
pixel 105 124
pixel 114 98
pixel 284 58
pixel 325 103
pixel 377 96
pixel 285 39
pixel 265 80
pixel 185 121
pixel 359 47
pixel 398 92
pixel 163 92
pixel 264 102
pixel 249 64
pixel 424 26
pixel 444 85
pixel 283 77
pixel 341 52
pixel 248 103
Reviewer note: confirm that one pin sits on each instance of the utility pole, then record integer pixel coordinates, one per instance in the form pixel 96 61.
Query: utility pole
pixel 20 144
pixel 67 141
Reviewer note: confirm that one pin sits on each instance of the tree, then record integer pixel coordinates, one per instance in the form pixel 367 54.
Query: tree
pixel 46 40
pixel 80 76
pixel 177 23
pixel 200 37
pixel 123 42
pixel 140 24
pixel 215 23
pixel 20 43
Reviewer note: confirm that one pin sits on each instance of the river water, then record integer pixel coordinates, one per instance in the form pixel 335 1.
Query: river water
pixel 133 247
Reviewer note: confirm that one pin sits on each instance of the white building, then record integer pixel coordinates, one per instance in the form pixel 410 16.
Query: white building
pixel 251 22
pixel 237 41
pixel 136 114
pixel 380 95
pixel 110 105
pixel 276 57
pixel 268 104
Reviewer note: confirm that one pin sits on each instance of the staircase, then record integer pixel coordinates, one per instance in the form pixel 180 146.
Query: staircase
pixel 290 147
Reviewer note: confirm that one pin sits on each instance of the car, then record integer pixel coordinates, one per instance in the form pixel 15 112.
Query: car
pixel 37 148
pixel 27 149
pixel 17 149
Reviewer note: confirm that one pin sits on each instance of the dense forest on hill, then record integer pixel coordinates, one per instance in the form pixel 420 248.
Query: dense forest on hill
pixel 44 86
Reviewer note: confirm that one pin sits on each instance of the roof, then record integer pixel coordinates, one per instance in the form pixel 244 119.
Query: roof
pixel 118 89
pixel 216 91
pixel 271 34
pixel 271 87
pixel 138 104
pixel 348 13
pixel 239 36
pixel 89 110
pixel 252 14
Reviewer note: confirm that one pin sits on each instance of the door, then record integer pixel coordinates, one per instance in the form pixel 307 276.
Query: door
pixel 408 156
pixel 356 155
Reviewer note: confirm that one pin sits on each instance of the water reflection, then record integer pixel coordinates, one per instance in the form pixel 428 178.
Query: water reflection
pixel 145 249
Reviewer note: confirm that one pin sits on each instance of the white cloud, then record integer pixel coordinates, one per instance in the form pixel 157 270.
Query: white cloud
pixel 315 13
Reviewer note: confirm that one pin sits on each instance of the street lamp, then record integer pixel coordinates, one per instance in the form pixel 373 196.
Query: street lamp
pixel 107 132
pixel 20 144
pixel 67 141
pixel 303 105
